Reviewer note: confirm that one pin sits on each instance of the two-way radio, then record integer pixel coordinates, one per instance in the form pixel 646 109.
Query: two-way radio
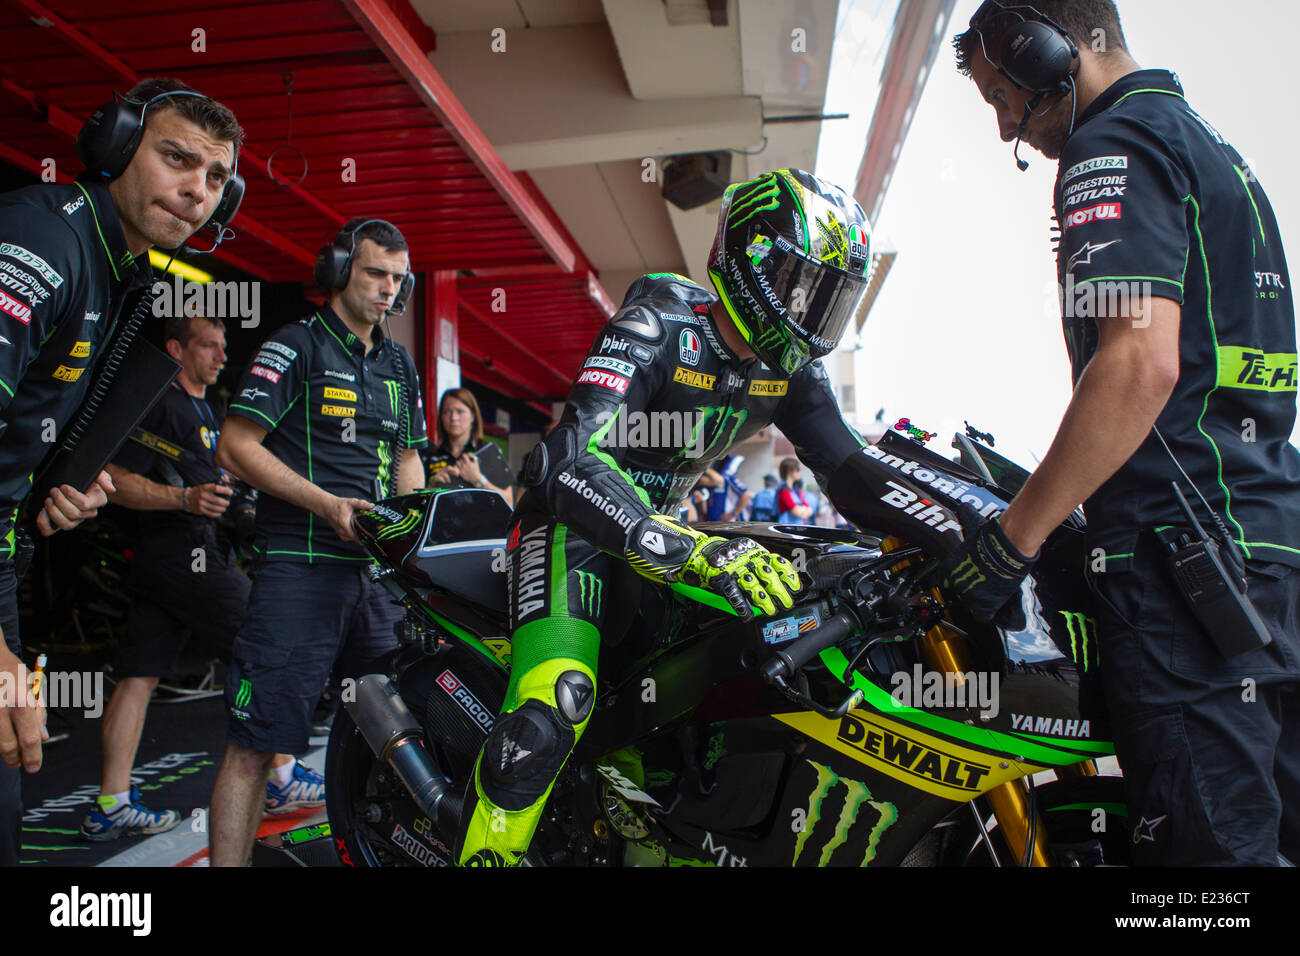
pixel 1211 577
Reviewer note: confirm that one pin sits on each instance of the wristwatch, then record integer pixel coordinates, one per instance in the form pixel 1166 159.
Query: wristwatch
pixel 481 483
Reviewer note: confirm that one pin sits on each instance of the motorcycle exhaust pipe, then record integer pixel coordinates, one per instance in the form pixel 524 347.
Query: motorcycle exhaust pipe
pixel 396 738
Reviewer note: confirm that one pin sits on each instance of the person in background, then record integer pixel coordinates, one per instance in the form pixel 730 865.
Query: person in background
pixel 791 503
pixel 463 457
pixel 765 501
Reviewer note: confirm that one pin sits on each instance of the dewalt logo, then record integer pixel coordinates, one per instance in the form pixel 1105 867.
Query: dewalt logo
pixel 911 756
pixel 769 388
pixel 694 379
pixel 937 765
pixel 340 394
pixel 590 592
pixel 66 374
pixel 851 823
pixel 339 411
pixel 1077 625
pixel 80 350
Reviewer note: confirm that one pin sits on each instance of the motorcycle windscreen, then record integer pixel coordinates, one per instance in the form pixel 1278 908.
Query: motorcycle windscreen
pixel 820 299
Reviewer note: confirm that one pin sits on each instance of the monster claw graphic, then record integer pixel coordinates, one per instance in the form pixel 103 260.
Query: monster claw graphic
pixel 856 795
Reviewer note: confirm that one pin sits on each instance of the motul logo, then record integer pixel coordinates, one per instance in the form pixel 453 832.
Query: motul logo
pixel 1106 211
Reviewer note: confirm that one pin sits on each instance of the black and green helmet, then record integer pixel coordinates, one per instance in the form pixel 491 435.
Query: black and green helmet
pixel 791 261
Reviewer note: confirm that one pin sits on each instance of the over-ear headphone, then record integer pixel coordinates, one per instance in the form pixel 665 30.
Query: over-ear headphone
pixel 334 265
pixel 1036 55
pixel 111 136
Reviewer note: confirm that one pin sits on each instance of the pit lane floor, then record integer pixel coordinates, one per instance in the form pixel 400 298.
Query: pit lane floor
pixel 180 751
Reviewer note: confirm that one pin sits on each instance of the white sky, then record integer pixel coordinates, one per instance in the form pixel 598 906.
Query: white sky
pixel 968 326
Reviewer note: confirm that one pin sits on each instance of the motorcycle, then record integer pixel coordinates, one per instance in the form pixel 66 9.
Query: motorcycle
pixel 874 723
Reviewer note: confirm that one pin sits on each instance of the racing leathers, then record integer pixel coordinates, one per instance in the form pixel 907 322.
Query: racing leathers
pixel 659 397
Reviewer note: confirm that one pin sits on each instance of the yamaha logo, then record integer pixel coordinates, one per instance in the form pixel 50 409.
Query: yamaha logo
pixel 688 347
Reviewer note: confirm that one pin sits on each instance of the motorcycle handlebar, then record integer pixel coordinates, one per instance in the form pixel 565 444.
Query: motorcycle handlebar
pixel 783 663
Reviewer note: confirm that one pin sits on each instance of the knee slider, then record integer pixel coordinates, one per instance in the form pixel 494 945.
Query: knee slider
pixel 523 755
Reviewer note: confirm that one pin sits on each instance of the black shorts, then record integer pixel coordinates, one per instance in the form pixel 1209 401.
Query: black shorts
pixel 304 620
pixel 174 602
pixel 1210 747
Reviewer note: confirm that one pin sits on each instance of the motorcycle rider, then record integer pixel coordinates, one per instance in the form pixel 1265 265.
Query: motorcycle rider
pixel 676 377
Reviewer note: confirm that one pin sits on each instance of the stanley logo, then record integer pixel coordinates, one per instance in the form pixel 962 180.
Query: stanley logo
pixel 694 379
pixel 80 350
pixel 340 394
pixel 65 374
pixel 769 388
pixel 856 797
pixel 338 411
pixel 912 757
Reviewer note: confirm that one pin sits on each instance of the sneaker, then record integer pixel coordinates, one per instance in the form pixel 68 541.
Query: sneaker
pixel 127 819
pixel 305 789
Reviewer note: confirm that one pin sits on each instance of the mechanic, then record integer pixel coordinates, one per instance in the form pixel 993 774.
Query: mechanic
pixel 319 426
pixel 1198 339
pixel 651 407
pixel 183 577
pixel 72 261
pixel 463 458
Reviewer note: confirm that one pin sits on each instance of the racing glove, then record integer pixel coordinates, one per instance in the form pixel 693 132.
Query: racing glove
pixel 987 570
pixel 739 569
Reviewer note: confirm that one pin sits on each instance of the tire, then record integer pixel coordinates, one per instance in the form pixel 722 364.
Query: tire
pixel 358 786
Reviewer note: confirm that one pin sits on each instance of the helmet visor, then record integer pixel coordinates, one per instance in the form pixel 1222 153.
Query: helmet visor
pixel 816 300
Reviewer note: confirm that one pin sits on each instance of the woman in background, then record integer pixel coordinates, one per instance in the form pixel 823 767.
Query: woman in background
pixel 463 458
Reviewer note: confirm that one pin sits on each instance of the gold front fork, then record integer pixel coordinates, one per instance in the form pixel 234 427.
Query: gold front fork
pixel 945 651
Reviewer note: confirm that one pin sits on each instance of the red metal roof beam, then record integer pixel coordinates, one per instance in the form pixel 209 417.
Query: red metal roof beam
pixel 388 33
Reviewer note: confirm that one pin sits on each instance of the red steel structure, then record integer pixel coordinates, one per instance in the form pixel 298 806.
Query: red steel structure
pixel 382 136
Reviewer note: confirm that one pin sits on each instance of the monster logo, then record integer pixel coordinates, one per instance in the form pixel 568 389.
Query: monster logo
pixel 752 198
pixel 591 590
pixel 856 796
pixel 1076 624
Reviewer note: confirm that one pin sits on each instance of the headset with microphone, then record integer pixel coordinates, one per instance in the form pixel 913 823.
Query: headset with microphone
pixel 334 265
pixel 110 137
pixel 1037 56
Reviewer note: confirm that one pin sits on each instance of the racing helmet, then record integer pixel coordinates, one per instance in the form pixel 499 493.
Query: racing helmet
pixel 791 262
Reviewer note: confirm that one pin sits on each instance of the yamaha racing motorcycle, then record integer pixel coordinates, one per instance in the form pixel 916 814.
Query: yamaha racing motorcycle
pixel 874 723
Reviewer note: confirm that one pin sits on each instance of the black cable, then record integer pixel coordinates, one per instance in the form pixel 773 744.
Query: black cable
pixel 402 425
pixel 1214 515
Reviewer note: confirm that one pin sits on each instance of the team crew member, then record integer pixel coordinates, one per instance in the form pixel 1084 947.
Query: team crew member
pixel 1153 202
pixel 464 458
pixel 721 366
pixel 72 260
pixel 791 504
pixel 318 426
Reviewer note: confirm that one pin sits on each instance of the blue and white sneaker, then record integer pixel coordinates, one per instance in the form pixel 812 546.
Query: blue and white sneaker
pixel 305 789
pixel 127 819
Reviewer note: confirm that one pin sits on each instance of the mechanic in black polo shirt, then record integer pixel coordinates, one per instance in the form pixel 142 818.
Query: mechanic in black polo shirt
pixel 183 577
pixel 319 426
pixel 72 261
pixel 1178 315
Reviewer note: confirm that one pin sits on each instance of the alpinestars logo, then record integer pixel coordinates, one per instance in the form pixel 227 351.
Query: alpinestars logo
pixel 1084 256
pixel 856 797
